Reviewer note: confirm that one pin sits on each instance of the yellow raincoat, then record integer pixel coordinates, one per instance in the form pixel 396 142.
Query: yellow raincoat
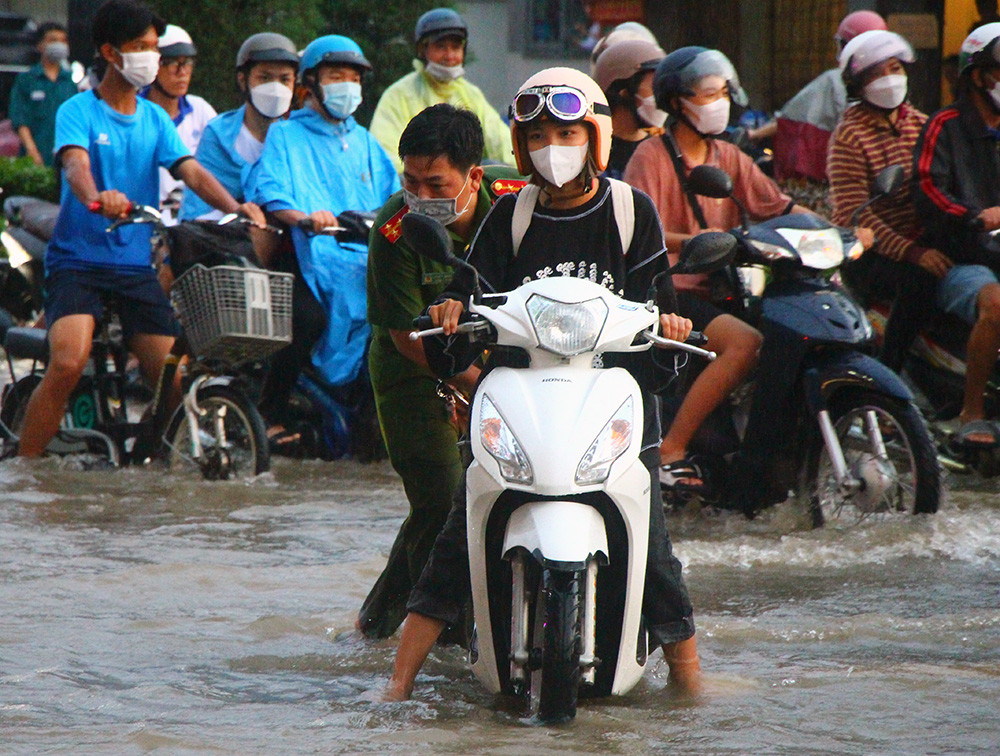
pixel 416 91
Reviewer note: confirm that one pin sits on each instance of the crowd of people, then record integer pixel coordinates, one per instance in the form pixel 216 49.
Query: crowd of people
pixel 292 153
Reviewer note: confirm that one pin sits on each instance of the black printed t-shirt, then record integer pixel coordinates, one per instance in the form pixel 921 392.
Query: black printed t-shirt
pixel 583 242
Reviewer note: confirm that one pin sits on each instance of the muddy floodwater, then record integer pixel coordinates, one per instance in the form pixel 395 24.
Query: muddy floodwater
pixel 142 612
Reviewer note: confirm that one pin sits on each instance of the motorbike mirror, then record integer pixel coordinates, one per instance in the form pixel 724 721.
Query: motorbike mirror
pixel 709 181
pixel 888 181
pixel 428 237
pixel 705 253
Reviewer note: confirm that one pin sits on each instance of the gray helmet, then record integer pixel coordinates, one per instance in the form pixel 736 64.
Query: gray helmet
pixel 267 47
pixel 438 23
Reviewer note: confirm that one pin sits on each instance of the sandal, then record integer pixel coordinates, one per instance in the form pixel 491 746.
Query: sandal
pixel 284 442
pixel 674 474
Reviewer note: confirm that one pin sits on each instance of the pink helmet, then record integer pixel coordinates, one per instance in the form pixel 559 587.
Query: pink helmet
pixel 857 22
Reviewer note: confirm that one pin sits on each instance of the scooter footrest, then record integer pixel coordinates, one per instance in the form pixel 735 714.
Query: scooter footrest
pixel 27 343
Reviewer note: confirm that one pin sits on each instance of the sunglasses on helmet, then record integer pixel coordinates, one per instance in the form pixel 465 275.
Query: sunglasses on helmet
pixel 563 103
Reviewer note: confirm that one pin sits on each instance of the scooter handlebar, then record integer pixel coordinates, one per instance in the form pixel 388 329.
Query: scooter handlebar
pixel 683 346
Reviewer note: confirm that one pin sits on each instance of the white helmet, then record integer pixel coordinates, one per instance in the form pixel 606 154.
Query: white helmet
pixel 869 49
pixel 564 94
pixel 176 43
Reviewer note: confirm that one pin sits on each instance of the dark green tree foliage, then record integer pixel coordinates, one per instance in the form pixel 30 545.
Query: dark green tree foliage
pixel 218 28
pixel 384 29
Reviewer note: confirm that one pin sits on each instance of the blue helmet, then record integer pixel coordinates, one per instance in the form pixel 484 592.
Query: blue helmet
pixel 677 74
pixel 438 23
pixel 335 50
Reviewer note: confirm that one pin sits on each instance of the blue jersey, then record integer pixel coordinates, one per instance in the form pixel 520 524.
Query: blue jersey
pixel 311 164
pixel 126 152
pixel 217 154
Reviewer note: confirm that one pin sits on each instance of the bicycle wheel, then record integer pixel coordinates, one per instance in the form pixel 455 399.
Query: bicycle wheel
pixel 890 459
pixel 231 433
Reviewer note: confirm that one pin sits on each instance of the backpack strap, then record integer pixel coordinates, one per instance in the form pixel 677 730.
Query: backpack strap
pixel 675 157
pixel 623 202
pixel 523 209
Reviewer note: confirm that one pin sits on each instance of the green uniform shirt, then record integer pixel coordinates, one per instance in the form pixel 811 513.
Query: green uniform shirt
pixel 34 100
pixel 402 283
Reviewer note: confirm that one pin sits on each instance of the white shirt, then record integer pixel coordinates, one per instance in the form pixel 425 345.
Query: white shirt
pixel 191 127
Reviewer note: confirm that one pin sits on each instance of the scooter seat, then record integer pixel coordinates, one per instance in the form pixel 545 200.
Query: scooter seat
pixel 35 216
pixel 27 343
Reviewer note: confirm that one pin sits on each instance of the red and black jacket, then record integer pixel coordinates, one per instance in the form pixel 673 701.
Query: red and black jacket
pixel 957 176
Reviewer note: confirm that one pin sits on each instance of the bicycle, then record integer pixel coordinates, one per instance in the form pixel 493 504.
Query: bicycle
pixel 231 315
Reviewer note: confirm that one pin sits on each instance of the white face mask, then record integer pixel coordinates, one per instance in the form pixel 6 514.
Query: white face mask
pixel 443 73
pixel 559 164
pixel 271 99
pixel 651 114
pixel 708 119
pixel 341 99
pixel 139 68
pixel 994 94
pixel 56 51
pixel 886 91
pixel 442 209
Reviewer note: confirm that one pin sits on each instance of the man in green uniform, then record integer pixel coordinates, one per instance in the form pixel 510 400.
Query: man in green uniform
pixel 38 93
pixel 441 150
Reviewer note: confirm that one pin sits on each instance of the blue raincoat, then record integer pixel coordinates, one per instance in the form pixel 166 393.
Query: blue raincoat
pixel 310 164
pixel 217 153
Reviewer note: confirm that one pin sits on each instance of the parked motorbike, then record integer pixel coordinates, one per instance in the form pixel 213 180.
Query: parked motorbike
pixel 825 421
pixel 30 223
pixel 558 500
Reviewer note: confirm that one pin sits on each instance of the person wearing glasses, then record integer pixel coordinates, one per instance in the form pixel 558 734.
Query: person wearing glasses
pixel 189 112
pixel 561 129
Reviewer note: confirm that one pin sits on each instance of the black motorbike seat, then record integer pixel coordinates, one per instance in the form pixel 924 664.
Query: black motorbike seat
pixel 35 216
pixel 27 343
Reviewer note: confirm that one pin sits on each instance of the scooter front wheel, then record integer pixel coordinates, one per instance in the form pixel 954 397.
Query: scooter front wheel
pixel 892 467
pixel 230 432
pixel 561 645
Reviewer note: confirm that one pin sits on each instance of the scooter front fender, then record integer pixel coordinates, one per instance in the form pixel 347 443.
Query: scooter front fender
pixel 827 375
pixel 560 535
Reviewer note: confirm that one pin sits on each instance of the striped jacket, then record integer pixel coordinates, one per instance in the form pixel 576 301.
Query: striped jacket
pixel 864 143
pixel 957 167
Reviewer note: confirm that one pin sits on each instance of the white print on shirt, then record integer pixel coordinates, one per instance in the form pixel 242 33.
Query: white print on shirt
pixel 581 270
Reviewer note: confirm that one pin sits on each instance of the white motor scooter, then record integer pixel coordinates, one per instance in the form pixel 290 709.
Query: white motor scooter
pixel 558 500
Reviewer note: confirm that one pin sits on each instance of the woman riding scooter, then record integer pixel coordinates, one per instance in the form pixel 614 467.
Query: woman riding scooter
pixel 561 126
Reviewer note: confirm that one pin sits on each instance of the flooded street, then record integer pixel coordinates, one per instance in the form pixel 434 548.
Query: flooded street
pixel 143 612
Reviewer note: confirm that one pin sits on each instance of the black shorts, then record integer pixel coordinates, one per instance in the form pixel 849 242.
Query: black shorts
pixel 136 297
pixel 697 310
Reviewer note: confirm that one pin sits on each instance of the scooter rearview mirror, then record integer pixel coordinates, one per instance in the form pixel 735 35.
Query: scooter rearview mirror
pixel 428 237
pixel 888 181
pixel 709 181
pixel 705 253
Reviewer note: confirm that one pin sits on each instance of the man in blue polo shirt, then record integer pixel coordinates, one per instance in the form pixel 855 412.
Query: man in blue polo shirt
pixel 38 93
pixel 110 144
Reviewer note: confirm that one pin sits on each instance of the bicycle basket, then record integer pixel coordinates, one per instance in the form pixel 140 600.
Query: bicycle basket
pixel 234 314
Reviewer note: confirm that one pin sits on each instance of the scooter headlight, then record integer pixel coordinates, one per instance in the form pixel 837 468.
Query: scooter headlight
pixel 565 328
pixel 609 445
pixel 819 249
pixel 500 442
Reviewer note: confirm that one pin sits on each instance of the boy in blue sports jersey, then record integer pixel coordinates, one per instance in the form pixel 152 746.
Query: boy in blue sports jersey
pixel 110 144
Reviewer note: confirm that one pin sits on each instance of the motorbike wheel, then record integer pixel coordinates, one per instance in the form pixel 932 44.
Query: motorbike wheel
pixel 905 480
pixel 561 646
pixel 232 435
pixel 15 401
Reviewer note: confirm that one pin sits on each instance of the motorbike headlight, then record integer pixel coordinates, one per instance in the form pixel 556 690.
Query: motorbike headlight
pixel 609 445
pixel 772 251
pixel 856 250
pixel 500 442
pixel 819 249
pixel 565 328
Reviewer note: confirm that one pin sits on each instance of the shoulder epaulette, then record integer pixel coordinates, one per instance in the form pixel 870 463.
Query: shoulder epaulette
pixel 501 187
pixel 391 229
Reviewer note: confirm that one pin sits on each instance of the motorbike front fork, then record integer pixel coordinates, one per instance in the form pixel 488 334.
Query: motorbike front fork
pixel 847 481
pixel 520 638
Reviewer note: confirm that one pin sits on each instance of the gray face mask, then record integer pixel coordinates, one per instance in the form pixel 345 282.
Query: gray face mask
pixel 443 73
pixel 56 51
pixel 442 209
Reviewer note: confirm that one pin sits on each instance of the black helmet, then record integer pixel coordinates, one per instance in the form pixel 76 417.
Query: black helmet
pixel 438 23
pixel 267 47
pixel 677 74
